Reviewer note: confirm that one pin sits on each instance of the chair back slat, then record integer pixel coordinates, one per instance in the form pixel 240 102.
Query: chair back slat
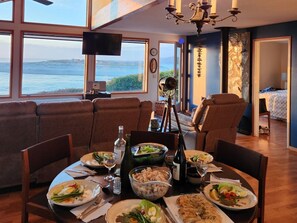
pixel 54 150
pixel 34 158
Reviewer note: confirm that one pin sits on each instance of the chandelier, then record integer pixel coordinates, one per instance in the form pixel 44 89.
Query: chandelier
pixel 201 15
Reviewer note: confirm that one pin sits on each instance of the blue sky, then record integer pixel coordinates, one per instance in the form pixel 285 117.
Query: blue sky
pixel 71 12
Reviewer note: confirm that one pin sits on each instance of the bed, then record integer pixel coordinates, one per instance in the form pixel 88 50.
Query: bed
pixel 276 103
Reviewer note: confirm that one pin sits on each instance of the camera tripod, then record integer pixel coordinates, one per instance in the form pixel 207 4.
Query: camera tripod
pixel 166 119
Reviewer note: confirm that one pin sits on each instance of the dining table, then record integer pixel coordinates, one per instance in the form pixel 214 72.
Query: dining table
pixel 63 214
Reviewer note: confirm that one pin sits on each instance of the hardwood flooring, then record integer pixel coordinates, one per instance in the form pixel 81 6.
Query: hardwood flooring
pixel 281 187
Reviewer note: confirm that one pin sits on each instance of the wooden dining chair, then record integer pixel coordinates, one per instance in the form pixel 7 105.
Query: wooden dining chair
pixel 247 161
pixel 170 140
pixel 34 158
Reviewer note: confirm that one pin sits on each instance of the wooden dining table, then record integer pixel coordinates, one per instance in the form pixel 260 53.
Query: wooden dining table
pixel 64 215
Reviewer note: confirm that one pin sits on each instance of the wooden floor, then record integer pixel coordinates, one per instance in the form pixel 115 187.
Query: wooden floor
pixel 281 188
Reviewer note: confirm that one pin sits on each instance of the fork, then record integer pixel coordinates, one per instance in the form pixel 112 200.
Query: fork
pixel 94 204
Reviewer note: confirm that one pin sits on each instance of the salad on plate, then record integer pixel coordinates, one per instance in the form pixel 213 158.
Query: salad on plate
pixel 135 211
pixel 230 196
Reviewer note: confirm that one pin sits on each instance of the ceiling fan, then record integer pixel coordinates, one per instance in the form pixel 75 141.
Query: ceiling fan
pixel 44 2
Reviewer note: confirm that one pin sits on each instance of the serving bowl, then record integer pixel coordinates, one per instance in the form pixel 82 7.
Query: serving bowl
pixel 150 182
pixel 149 157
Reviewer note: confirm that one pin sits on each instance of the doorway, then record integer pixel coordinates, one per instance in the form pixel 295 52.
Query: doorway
pixel 271 74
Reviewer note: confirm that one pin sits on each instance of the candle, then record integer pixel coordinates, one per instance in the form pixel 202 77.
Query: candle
pixel 234 4
pixel 171 2
pixel 213 9
pixel 178 6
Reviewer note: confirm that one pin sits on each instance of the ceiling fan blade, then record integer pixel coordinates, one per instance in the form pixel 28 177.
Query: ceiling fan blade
pixel 2 1
pixel 44 2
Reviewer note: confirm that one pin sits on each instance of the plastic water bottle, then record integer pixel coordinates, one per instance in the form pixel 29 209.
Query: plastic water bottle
pixel 117 185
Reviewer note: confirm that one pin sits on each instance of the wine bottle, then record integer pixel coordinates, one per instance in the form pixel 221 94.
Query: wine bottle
pixel 179 163
pixel 126 165
pixel 119 149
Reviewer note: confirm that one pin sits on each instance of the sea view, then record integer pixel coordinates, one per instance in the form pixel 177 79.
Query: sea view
pixel 53 75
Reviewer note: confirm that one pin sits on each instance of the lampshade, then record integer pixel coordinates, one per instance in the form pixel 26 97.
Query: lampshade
pixel 284 76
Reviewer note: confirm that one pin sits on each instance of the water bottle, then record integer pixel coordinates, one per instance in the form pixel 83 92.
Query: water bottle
pixel 119 149
pixel 117 185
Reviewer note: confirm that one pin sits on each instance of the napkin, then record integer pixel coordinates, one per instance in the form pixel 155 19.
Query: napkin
pixel 213 168
pixel 96 214
pixel 215 179
pixel 80 171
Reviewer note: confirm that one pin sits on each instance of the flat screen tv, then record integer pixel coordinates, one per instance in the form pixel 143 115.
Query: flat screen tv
pixel 102 43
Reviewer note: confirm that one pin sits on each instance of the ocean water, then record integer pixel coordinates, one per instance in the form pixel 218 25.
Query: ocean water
pixel 60 74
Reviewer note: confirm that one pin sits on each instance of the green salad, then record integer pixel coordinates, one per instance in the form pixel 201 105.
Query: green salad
pixel 228 194
pixel 100 157
pixel 148 149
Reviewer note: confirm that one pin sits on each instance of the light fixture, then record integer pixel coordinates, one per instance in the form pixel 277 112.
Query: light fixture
pixel 201 15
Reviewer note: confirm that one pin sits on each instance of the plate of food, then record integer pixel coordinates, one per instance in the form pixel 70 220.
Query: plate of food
pixel 195 208
pixel 73 193
pixel 230 196
pixel 193 156
pixel 95 159
pixel 135 210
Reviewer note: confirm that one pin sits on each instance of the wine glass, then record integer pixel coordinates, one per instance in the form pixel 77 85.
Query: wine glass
pixel 201 168
pixel 109 162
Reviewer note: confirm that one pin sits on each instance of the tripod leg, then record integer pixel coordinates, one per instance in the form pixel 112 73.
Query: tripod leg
pixel 178 125
pixel 163 119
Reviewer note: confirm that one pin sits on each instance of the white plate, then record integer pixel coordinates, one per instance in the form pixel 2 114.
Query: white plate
pixel 247 202
pixel 204 156
pixel 88 160
pixel 91 190
pixel 121 207
pixel 173 208
pixel 136 149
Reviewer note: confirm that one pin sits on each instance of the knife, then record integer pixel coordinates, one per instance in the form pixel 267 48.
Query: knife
pixel 168 215
pixel 93 208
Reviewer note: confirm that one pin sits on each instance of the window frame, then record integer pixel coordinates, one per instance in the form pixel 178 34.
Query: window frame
pixel 11 33
pixel 180 57
pixel 47 36
pixel 145 41
pixel 87 21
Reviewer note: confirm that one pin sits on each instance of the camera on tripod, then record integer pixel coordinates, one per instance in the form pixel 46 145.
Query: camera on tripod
pixel 167 88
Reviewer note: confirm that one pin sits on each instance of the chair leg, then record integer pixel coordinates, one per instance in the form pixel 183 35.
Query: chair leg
pixel 269 121
pixel 25 217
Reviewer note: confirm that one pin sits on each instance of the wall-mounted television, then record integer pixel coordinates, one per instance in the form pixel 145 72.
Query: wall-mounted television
pixel 102 43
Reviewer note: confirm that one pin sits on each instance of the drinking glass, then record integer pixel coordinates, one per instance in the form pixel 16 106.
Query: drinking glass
pixel 109 162
pixel 201 168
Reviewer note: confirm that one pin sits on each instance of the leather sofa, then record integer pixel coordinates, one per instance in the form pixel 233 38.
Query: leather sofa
pixel 93 125
pixel 217 117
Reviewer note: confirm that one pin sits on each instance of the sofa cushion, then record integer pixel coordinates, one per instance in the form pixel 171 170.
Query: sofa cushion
pixel 115 103
pixel 59 118
pixel 17 131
